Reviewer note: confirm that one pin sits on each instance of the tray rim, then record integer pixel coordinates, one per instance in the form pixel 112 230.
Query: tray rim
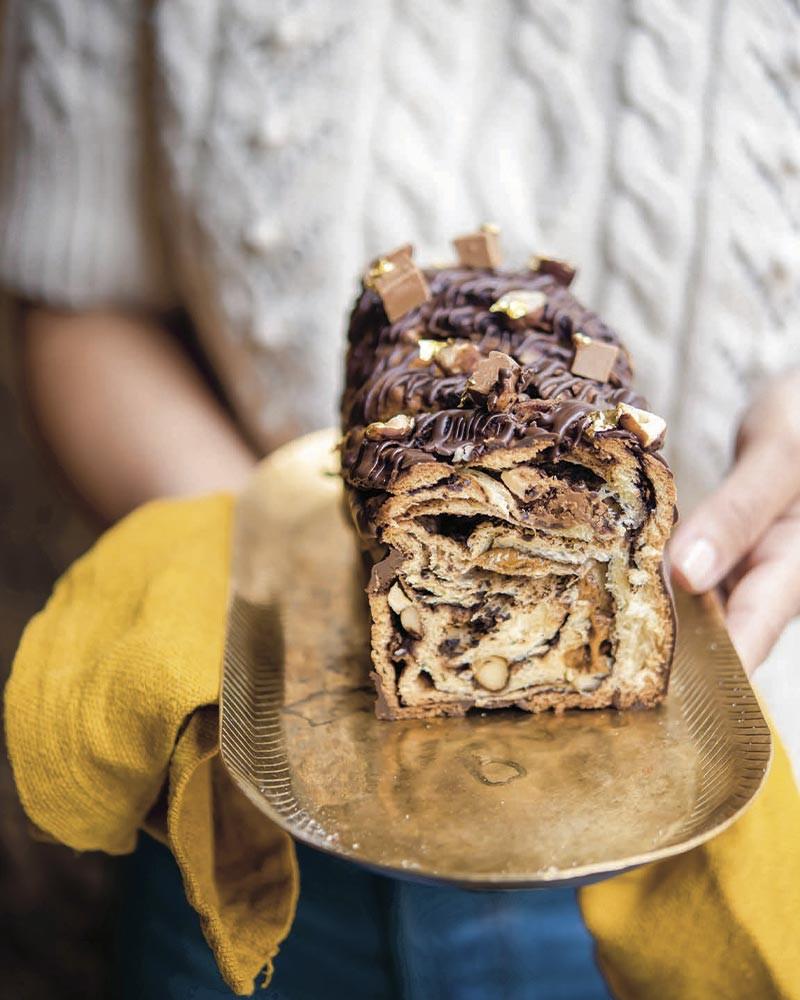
pixel 576 875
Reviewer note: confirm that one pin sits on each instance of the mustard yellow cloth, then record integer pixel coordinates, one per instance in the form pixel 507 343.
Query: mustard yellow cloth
pixel 111 723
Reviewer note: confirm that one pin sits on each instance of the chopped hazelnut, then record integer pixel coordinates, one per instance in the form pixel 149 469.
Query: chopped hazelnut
pixel 458 358
pixel 521 303
pixel 410 620
pixel 649 428
pixel 401 604
pixel 491 673
pixel 428 349
pixel 463 453
pixel 398 601
pixel 601 420
pixel 398 427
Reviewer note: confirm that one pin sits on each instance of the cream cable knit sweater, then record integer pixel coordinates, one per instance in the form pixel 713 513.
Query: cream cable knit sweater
pixel 654 142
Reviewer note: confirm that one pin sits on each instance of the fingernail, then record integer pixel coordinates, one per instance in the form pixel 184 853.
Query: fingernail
pixel 698 565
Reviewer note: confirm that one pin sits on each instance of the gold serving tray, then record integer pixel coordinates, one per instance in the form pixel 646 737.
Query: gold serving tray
pixel 495 800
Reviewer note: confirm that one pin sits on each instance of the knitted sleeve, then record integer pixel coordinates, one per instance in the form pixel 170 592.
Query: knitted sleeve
pixel 76 228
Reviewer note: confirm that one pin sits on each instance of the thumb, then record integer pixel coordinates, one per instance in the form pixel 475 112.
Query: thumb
pixel 726 526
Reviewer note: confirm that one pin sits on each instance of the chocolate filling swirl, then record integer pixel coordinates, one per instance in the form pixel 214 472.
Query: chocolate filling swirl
pixel 398 368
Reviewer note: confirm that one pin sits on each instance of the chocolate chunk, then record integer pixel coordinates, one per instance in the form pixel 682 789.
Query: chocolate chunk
pixel 561 270
pixel 488 372
pixel 385 571
pixel 494 382
pixel 388 262
pixel 402 287
pixel 449 647
pixel 593 358
pixel 481 249
pixel 400 254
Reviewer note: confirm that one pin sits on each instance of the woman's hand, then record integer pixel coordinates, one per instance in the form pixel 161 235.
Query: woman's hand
pixel 745 537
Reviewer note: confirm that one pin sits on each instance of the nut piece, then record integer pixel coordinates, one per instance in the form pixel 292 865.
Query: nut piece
pixel 398 601
pixel 601 420
pixel 583 682
pixel 649 428
pixel 521 303
pixel 398 427
pixel 463 453
pixel 458 358
pixel 410 620
pixel 491 673
pixel 593 358
pixel 428 349
pixel 588 684
pixel 481 249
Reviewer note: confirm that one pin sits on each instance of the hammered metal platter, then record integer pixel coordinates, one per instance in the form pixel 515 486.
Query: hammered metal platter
pixel 495 800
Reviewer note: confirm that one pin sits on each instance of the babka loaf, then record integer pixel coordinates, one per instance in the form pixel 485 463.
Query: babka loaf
pixel 506 486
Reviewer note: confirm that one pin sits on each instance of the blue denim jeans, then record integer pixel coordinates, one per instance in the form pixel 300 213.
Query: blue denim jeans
pixel 359 935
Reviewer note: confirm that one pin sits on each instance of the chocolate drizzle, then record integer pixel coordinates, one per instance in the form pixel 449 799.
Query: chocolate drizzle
pixel 386 374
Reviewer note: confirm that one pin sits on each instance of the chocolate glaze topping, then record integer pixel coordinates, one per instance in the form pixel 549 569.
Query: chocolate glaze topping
pixel 387 374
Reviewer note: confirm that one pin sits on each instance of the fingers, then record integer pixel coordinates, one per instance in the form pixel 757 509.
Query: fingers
pixel 726 526
pixel 767 595
pixel 746 536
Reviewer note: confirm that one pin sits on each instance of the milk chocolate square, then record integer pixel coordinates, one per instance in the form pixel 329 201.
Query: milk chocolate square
pixel 402 289
pixel 593 358
pixel 399 255
pixel 481 249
